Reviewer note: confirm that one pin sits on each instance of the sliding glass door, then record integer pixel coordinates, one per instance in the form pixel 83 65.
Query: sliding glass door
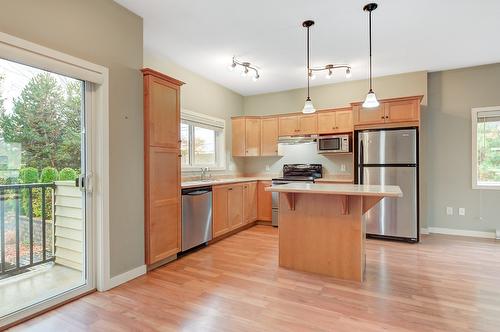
pixel 45 249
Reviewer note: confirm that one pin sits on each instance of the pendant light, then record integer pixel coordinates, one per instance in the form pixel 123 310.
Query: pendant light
pixel 371 99
pixel 308 105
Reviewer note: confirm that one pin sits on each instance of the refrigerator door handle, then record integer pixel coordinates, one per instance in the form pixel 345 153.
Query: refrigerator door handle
pixel 361 152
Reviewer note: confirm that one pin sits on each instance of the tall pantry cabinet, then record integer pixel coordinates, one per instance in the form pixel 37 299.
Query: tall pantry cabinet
pixel 162 169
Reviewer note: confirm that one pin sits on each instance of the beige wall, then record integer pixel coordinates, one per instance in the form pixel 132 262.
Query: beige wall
pixel 337 95
pixel 102 32
pixel 203 96
pixel 447 136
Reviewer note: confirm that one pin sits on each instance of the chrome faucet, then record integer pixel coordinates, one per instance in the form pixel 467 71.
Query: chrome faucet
pixel 203 175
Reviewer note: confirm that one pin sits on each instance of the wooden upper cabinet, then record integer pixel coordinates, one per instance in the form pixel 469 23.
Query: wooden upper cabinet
pixel 367 116
pixel 402 110
pixel 238 137
pixel 327 122
pixel 308 124
pixel 264 201
pixel 405 110
pixel 269 136
pixel 249 202
pixel 162 198
pixel 252 137
pixel 293 125
pixel 288 125
pixel 163 106
pixel 344 121
pixel 335 121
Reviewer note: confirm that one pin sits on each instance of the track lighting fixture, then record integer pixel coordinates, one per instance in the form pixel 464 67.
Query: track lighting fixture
pixel 246 66
pixel 330 69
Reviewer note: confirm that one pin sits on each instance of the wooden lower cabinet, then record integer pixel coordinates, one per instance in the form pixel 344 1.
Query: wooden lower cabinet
pixel 249 202
pixel 235 206
pixel 264 202
pixel 164 226
pixel 220 211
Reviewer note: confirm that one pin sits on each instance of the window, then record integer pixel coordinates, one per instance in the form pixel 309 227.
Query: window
pixel 202 141
pixel 486 148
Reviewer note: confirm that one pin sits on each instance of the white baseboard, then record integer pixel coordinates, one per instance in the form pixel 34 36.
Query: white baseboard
pixel 126 276
pixel 459 232
pixel 424 231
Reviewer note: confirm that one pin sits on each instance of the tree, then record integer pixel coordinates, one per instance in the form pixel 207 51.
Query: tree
pixel 69 152
pixel 46 121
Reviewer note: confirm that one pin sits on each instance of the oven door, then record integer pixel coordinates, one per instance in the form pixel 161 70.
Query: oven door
pixel 330 144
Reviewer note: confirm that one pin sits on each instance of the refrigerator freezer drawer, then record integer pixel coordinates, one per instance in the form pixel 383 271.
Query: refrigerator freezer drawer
pixel 395 217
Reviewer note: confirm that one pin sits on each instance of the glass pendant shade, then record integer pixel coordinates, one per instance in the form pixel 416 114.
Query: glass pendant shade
pixel 371 100
pixel 308 107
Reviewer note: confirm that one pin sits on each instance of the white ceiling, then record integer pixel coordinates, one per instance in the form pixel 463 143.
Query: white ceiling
pixel 203 35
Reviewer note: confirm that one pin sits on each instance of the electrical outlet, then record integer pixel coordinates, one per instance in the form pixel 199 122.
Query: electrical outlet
pixel 461 211
pixel 449 210
pixel 268 168
pixel 342 168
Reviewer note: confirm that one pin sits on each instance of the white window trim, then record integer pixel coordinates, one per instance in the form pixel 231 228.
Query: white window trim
pixel 28 53
pixel 221 141
pixel 474 114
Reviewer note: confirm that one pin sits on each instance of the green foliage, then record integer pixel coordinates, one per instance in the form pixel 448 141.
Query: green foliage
pixel 488 133
pixel 46 120
pixel 67 174
pixel 49 174
pixel 28 175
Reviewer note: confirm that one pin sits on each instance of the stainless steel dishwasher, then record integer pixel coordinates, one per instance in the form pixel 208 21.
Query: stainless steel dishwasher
pixel 196 216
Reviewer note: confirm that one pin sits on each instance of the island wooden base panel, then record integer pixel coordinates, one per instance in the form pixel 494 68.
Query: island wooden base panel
pixel 443 283
pixel 322 234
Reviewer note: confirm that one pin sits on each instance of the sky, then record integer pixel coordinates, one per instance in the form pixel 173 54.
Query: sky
pixel 16 76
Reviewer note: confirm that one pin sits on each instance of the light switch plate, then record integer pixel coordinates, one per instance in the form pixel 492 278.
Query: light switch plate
pixel 449 210
pixel 461 211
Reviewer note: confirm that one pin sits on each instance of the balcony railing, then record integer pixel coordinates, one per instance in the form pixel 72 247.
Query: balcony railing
pixel 25 240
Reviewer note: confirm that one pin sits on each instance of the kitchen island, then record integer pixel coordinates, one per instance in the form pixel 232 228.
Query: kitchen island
pixel 321 227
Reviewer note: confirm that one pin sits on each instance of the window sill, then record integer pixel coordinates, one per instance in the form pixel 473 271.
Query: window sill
pixel 197 169
pixel 486 186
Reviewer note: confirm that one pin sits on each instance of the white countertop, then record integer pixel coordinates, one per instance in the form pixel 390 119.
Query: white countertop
pixel 214 182
pixel 338 189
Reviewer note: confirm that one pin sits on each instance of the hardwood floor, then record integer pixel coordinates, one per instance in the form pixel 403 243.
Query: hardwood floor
pixel 442 284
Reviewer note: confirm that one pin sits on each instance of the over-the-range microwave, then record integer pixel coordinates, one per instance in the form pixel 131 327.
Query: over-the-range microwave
pixel 334 144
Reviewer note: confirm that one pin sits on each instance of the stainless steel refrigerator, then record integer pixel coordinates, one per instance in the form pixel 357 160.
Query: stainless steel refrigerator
pixel 390 156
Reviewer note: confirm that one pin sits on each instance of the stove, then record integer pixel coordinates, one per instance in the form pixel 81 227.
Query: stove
pixel 294 173
pixel 301 172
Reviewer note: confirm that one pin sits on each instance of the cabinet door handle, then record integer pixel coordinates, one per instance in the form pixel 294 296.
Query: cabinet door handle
pixel 387 116
pixel 229 188
pixel 382 117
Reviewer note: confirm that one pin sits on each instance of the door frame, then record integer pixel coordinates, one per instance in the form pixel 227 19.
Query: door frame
pixel 97 149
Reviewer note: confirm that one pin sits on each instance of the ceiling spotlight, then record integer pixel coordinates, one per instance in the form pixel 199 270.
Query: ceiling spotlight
pixel 245 68
pixel 348 72
pixel 245 72
pixel 329 75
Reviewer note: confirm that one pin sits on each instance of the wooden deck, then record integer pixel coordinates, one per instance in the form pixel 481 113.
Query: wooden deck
pixel 442 284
